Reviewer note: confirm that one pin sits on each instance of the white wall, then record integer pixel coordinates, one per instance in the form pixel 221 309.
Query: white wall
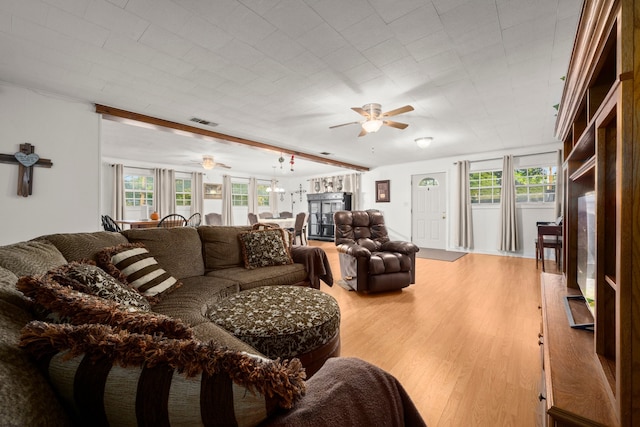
pixel 486 220
pixel 66 197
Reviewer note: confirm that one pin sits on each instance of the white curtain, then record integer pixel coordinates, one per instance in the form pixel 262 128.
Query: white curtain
pixel 463 233
pixel 508 214
pixel 253 196
pixel 227 208
pixel 118 192
pixel 165 191
pixel 197 193
pixel 559 187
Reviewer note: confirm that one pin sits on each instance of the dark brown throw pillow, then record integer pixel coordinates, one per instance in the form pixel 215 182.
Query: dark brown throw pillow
pixel 80 308
pixel 262 248
pixel 115 377
pixel 134 265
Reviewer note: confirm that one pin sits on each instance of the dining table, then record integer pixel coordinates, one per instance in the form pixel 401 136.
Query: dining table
pixel 138 223
pixel 281 222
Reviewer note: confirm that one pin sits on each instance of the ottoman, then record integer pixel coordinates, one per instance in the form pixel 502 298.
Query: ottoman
pixel 284 322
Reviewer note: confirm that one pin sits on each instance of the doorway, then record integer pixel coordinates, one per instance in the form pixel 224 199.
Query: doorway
pixel 429 212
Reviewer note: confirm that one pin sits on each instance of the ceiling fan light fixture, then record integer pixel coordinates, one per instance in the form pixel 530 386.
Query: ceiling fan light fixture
pixel 372 125
pixel 207 162
pixel 424 142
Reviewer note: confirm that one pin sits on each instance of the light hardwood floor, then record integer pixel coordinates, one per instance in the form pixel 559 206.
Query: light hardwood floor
pixel 463 340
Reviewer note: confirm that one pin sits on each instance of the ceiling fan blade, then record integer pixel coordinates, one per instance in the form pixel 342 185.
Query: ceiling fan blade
pixel 397 111
pixel 344 124
pixel 361 112
pixel 363 133
pixel 222 165
pixel 396 125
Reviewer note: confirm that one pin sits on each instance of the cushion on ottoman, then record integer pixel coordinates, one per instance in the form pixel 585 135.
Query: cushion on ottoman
pixel 280 321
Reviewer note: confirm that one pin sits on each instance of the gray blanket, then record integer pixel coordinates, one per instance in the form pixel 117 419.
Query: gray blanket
pixel 351 392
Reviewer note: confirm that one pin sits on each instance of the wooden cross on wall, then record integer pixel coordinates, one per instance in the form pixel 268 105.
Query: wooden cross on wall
pixel 26 159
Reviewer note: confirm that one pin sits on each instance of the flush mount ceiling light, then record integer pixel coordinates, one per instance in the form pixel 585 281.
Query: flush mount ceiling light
pixel 424 142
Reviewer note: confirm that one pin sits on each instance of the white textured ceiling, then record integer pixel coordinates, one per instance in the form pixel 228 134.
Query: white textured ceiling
pixel 482 75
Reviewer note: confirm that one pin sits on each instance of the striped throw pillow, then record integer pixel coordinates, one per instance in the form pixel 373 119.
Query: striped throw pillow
pixel 134 265
pixel 118 378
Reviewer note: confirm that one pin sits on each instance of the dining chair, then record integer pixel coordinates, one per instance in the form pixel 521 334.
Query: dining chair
pixel 213 218
pixel 265 215
pixel 173 220
pixel 253 218
pixel 109 224
pixel 194 220
pixel 285 214
pixel 549 236
pixel 299 229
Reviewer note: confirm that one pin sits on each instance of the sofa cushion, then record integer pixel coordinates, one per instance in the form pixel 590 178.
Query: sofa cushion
pixel 221 246
pixel 32 257
pixel 80 246
pixel 79 308
pixel 290 274
pixel 133 264
pixel 178 249
pixel 91 279
pixel 118 378
pixel 8 291
pixel 27 399
pixel 195 297
pixel 263 248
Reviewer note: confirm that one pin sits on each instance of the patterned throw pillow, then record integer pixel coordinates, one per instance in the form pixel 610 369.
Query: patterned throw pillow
pixel 91 279
pixel 120 378
pixel 262 248
pixel 79 308
pixel 133 264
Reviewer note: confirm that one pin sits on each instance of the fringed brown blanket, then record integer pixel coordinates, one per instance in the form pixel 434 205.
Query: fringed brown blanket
pixel 351 392
pixel 315 262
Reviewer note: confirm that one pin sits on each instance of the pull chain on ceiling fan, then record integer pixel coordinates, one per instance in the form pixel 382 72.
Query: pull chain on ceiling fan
pixel 375 118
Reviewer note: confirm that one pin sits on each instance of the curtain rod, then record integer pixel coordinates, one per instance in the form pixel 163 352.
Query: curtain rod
pixel 519 155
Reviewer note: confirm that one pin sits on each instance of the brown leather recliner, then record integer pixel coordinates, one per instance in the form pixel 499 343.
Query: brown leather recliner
pixel 369 261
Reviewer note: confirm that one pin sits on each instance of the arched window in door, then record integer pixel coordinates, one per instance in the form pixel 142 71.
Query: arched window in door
pixel 428 182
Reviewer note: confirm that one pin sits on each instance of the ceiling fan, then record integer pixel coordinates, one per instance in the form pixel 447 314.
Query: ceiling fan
pixel 209 163
pixel 375 118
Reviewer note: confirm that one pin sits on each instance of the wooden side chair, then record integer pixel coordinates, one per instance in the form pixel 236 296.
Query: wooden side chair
pixel 253 218
pixel 194 220
pixel 109 224
pixel 173 220
pixel 549 236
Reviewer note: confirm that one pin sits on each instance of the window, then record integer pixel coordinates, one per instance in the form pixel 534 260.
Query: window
pixel 263 195
pixel 183 192
pixel 428 182
pixel 485 187
pixel 239 194
pixel 536 185
pixel 138 190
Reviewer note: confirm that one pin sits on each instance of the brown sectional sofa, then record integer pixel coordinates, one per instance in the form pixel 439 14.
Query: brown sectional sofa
pixel 208 262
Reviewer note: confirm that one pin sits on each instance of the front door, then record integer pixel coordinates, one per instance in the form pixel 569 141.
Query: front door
pixel 429 213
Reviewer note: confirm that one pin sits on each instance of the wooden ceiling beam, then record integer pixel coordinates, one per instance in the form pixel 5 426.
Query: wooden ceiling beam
pixel 129 117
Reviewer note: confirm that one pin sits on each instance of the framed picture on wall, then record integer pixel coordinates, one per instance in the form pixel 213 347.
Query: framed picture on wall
pixel 382 191
pixel 212 191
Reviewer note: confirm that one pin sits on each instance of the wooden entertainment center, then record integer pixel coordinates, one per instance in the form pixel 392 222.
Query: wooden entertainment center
pixel 593 378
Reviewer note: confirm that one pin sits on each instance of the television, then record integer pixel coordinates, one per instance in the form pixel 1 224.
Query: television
pixel 586 255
